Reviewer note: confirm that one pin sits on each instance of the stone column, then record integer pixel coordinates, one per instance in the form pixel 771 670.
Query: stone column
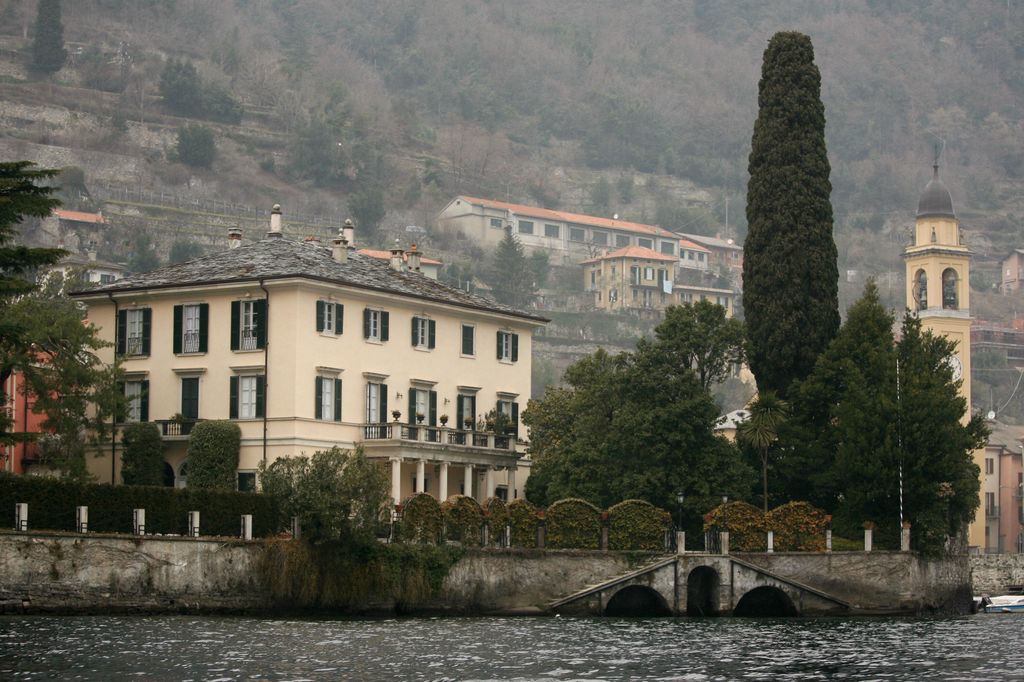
pixel 489 487
pixel 421 475
pixel 680 542
pixel 442 483
pixel 512 484
pixel 724 540
pixel 396 480
pixel 828 540
pixel 905 538
pixel 468 480
pixel 771 541
pixel 867 539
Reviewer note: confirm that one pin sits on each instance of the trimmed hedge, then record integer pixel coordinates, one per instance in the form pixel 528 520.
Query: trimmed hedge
pixel 421 519
pixel 573 524
pixel 798 527
pixel 496 517
pixel 142 459
pixel 637 525
pixel 213 449
pixel 523 519
pixel 745 523
pixel 51 506
pixel 463 519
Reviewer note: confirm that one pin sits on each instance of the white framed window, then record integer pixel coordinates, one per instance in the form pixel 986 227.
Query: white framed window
pixel 648 273
pixel 133 392
pixel 469 340
pixel 553 231
pixel 525 227
pixel 326 396
pixel 496 222
pixel 423 332
pixel 134 331
pixel 247 397
pixel 646 243
pixel 376 402
pixel 190 328
pixel 508 346
pixel 634 274
pixel 247 326
pixel 330 317
pixel 577 234
pixel 376 325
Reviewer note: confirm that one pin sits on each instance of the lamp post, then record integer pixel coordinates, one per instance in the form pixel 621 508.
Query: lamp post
pixel 680 498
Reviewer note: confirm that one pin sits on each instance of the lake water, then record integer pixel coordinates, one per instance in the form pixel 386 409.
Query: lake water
pixel 982 647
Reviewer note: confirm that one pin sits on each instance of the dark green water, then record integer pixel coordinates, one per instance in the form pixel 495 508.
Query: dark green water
pixel 983 647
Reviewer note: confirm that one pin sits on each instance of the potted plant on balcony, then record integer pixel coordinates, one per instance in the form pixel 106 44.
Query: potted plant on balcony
pixel 420 417
pixel 468 423
pixel 396 414
pixel 444 419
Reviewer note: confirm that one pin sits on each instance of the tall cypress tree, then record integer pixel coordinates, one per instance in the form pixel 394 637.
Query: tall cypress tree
pixel 48 53
pixel 790 276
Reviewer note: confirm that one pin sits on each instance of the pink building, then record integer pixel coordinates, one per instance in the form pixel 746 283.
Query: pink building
pixel 1001 489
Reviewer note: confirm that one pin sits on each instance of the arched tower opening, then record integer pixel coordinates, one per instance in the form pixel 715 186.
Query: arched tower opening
pixel 702 592
pixel 921 290
pixel 765 602
pixel 950 292
pixel 637 601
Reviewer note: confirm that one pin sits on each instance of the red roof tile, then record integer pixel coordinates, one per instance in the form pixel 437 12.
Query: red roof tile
pixel 633 252
pixel 79 216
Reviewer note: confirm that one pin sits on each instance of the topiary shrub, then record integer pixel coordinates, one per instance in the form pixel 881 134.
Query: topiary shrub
pixel 213 449
pixel 496 517
pixel 523 518
pixel 745 523
pixel 637 525
pixel 463 519
pixel 142 454
pixel 421 519
pixel 798 527
pixel 573 524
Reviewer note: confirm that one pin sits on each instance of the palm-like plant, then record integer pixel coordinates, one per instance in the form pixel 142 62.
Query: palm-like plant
pixel 768 413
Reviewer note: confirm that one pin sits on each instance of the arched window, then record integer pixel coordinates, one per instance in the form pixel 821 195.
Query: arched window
pixel 950 298
pixel 921 290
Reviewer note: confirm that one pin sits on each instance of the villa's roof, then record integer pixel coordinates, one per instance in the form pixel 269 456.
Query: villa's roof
pixel 566 217
pixel 380 254
pixel 280 258
pixel 632 252
pixel 79 216
pixel 711 242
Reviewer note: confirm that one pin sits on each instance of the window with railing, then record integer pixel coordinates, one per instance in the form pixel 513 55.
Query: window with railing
pixel 135 331
pixel 247 327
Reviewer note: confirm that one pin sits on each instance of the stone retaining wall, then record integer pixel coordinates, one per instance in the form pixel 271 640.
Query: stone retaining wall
pixel 994 574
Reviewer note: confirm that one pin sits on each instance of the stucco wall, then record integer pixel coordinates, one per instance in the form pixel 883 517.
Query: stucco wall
pixel 993 574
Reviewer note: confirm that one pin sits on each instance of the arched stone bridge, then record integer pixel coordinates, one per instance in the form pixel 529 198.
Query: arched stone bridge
pixel 762 585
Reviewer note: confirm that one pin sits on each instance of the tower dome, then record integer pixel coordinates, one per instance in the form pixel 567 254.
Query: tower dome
pixel 935 200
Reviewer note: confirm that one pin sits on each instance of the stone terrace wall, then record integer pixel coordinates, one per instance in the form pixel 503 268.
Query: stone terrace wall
pixel 994 574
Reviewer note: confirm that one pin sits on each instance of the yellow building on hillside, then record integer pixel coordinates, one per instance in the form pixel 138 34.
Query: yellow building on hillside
pixel 306 347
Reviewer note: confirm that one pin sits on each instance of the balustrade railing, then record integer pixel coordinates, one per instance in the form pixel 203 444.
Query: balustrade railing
pixel 190 342
pixel 437 434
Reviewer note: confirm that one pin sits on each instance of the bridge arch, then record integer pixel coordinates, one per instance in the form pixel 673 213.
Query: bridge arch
pixel 702 587
pixel 765 601
pixel 637 601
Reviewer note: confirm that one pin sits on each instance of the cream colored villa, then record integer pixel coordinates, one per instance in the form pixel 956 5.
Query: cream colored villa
pixel 306 347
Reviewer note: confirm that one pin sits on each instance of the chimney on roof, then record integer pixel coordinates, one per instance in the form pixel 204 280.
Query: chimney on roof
pixel 275 221
pixel 349 232
pixel 414 259
pixel 339 248
pixel 397 257
pixel 234 237
pixel 91 253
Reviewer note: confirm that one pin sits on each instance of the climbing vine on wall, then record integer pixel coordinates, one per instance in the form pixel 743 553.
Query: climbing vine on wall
pixel 523 519
pixel 573 523
pixel 421 519
pixel 798 527
pixel 496 519
pixel 744 522
pixel 463 519
pixel 636 525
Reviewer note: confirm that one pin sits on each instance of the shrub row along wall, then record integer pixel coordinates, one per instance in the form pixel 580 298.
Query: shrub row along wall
pixel 51 506
pixel 798 526
pixel 568 524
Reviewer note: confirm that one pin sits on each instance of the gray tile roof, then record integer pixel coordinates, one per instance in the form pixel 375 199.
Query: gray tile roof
pixel 281 257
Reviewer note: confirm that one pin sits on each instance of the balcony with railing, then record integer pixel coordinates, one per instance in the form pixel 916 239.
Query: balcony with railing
pixel 438 436
pixel 247 340
pixel 992 511
pixel 190 342
pixel 175 429
pixel 133 345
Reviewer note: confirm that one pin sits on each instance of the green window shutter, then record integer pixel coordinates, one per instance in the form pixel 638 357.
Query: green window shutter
pixel 499 345
pixel 260 314
pixel 233 408
pixel 339 318
pixel 383 403
pixel 122 330
pixel 337 400
pixel 320 316
pixel 318 411
pixel 431 333
pixel 460 413
pixel 261 395
pixel 144 401
pixel 122 404
pixel 385 317
pixel 515 418
pixel 236 323
pixel 366 323
pixel 415 331
pixel 204 327
pixel 433 408
pixel 467 340
pixel 190 397
pixel 515 348
pixel 472 408
pixel 147 329
pixel 411 419
pixel 177 327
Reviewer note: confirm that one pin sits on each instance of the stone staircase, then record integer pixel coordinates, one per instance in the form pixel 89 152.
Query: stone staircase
pixel 653 565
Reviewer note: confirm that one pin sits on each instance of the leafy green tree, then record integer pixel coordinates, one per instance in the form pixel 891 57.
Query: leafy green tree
pixel 367 208
pixel 336 494
pixel 510 274
pixel 195 146
pixel 704 339
pixel 142 454
pixel 760 431
pixel 540 266
pixel 635 425
pixel 48 53
pixel 184 250
pixel 790 275
pixel 213 448
pixel 22 195
pixel 144 256
pixel 181 87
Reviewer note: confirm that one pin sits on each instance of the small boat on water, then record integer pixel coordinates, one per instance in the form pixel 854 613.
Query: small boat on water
pixel 1009 603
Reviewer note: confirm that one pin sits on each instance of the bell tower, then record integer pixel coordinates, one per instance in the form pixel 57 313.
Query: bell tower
pixel 938 292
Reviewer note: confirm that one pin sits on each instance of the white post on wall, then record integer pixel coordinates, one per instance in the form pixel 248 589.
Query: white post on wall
pixel 771 541
pixel 680 542
pixel 442 483
pixel 82 519
pixel 828 540
pixel 193 524
pixel 138 521
pixel 21 516
pixel 905 537
pixel 867 539
pixel 724 537
pixel 246 527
